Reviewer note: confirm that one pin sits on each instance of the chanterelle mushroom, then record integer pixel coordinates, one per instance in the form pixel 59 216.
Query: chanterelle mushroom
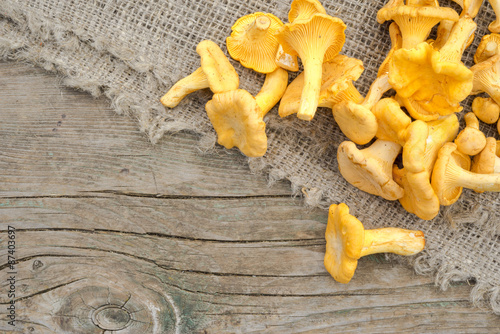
pixel 304 9
pixel 347 241
pixel 489 46
pixel 486 109
pixel 487 78
pixel 370 169
pixel 237 116
pixel 315 40
pixel 432 83
pixel 216 73
pixel 253 42
pixel 415 22
pixel 451 174
pixel 470 140
pixel 487 161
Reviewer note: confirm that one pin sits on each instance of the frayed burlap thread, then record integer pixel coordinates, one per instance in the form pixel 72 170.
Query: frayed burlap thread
pixel 133 51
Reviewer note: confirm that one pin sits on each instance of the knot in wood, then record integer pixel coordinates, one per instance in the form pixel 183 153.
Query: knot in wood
pixel 111 317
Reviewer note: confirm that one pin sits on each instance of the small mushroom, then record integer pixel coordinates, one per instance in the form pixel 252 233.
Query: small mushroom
pixel 415 22
pixel 488 47
pixel 486 109
pixel 470 140
pixel 370 169
pixel 347 241
pixel 237 116
pixel 487 161
pixel 487 78
pixel 216 73
pixel 253 42
pixel 451 174
pixel 495 25
pixel 432 83
pixel 315 40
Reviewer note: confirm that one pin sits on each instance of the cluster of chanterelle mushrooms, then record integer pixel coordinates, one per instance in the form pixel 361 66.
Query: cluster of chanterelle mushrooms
pixel 428 77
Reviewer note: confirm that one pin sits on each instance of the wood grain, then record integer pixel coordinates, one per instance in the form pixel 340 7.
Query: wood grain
pixel 114 235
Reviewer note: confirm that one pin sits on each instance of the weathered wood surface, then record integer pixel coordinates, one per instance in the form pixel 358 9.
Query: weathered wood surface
pixel 114 235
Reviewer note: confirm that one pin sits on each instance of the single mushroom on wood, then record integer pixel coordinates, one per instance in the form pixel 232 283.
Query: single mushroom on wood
pixel 347 241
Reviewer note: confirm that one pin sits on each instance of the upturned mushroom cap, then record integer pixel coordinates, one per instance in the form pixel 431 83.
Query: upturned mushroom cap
pixel 315 40
pixel 470 140
pixel 443 179
pixel 427 86
pixel 487 78
pixel 488 47
pixel 187 85
pixel 344 236
pixel 237 119
pixel 419 197
pixel 336 85
pixel 221 75
pixel 370 169
pixel 304 9
pixel 486 109
pixel 253 42
pixel 415 22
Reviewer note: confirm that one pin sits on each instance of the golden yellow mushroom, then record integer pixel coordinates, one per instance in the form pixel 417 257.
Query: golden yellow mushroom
pixel 396 42
pixel 486 109
pixel 470 140
pixel 253 42
pixel 489 46
pixel 431 83
pixel 304 9
pixel 315 40
pixel 237 116
pixel 415 22
pixel 370 169
pixel 487 161
pixel 347 241
pixel 487 78
pixel 216 73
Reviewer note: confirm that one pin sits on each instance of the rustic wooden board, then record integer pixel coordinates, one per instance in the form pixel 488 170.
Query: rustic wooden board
pixel 113 233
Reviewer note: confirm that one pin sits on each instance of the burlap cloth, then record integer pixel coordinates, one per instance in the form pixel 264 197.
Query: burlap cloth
pixel 133 51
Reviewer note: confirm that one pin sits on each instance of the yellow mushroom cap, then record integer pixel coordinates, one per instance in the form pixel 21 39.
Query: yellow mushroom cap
pixel 345 236
pixel 489 46
pixel 427 86
pixel 415 22
pixel 486 109
pixel 443 177
pixel 336 85
pixel 253 42
pixel 419 197
pixel 370 169
pixel 470 140
pixel 392 121
pixel 237 119
pixel 303 9
pixel 221 75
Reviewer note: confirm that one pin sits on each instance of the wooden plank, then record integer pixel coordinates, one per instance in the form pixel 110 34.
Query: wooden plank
pixel 173 245
pixel 68 143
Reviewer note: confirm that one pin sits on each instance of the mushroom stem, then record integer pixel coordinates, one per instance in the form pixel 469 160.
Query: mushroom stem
pixel 458 40
pixel 490 49
pixel 273 89
pixel 312 86
pixel 258 28
pixel 193 82
pixel 495 25
pixel 478 182
pixel 377 89
pixel 393 240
